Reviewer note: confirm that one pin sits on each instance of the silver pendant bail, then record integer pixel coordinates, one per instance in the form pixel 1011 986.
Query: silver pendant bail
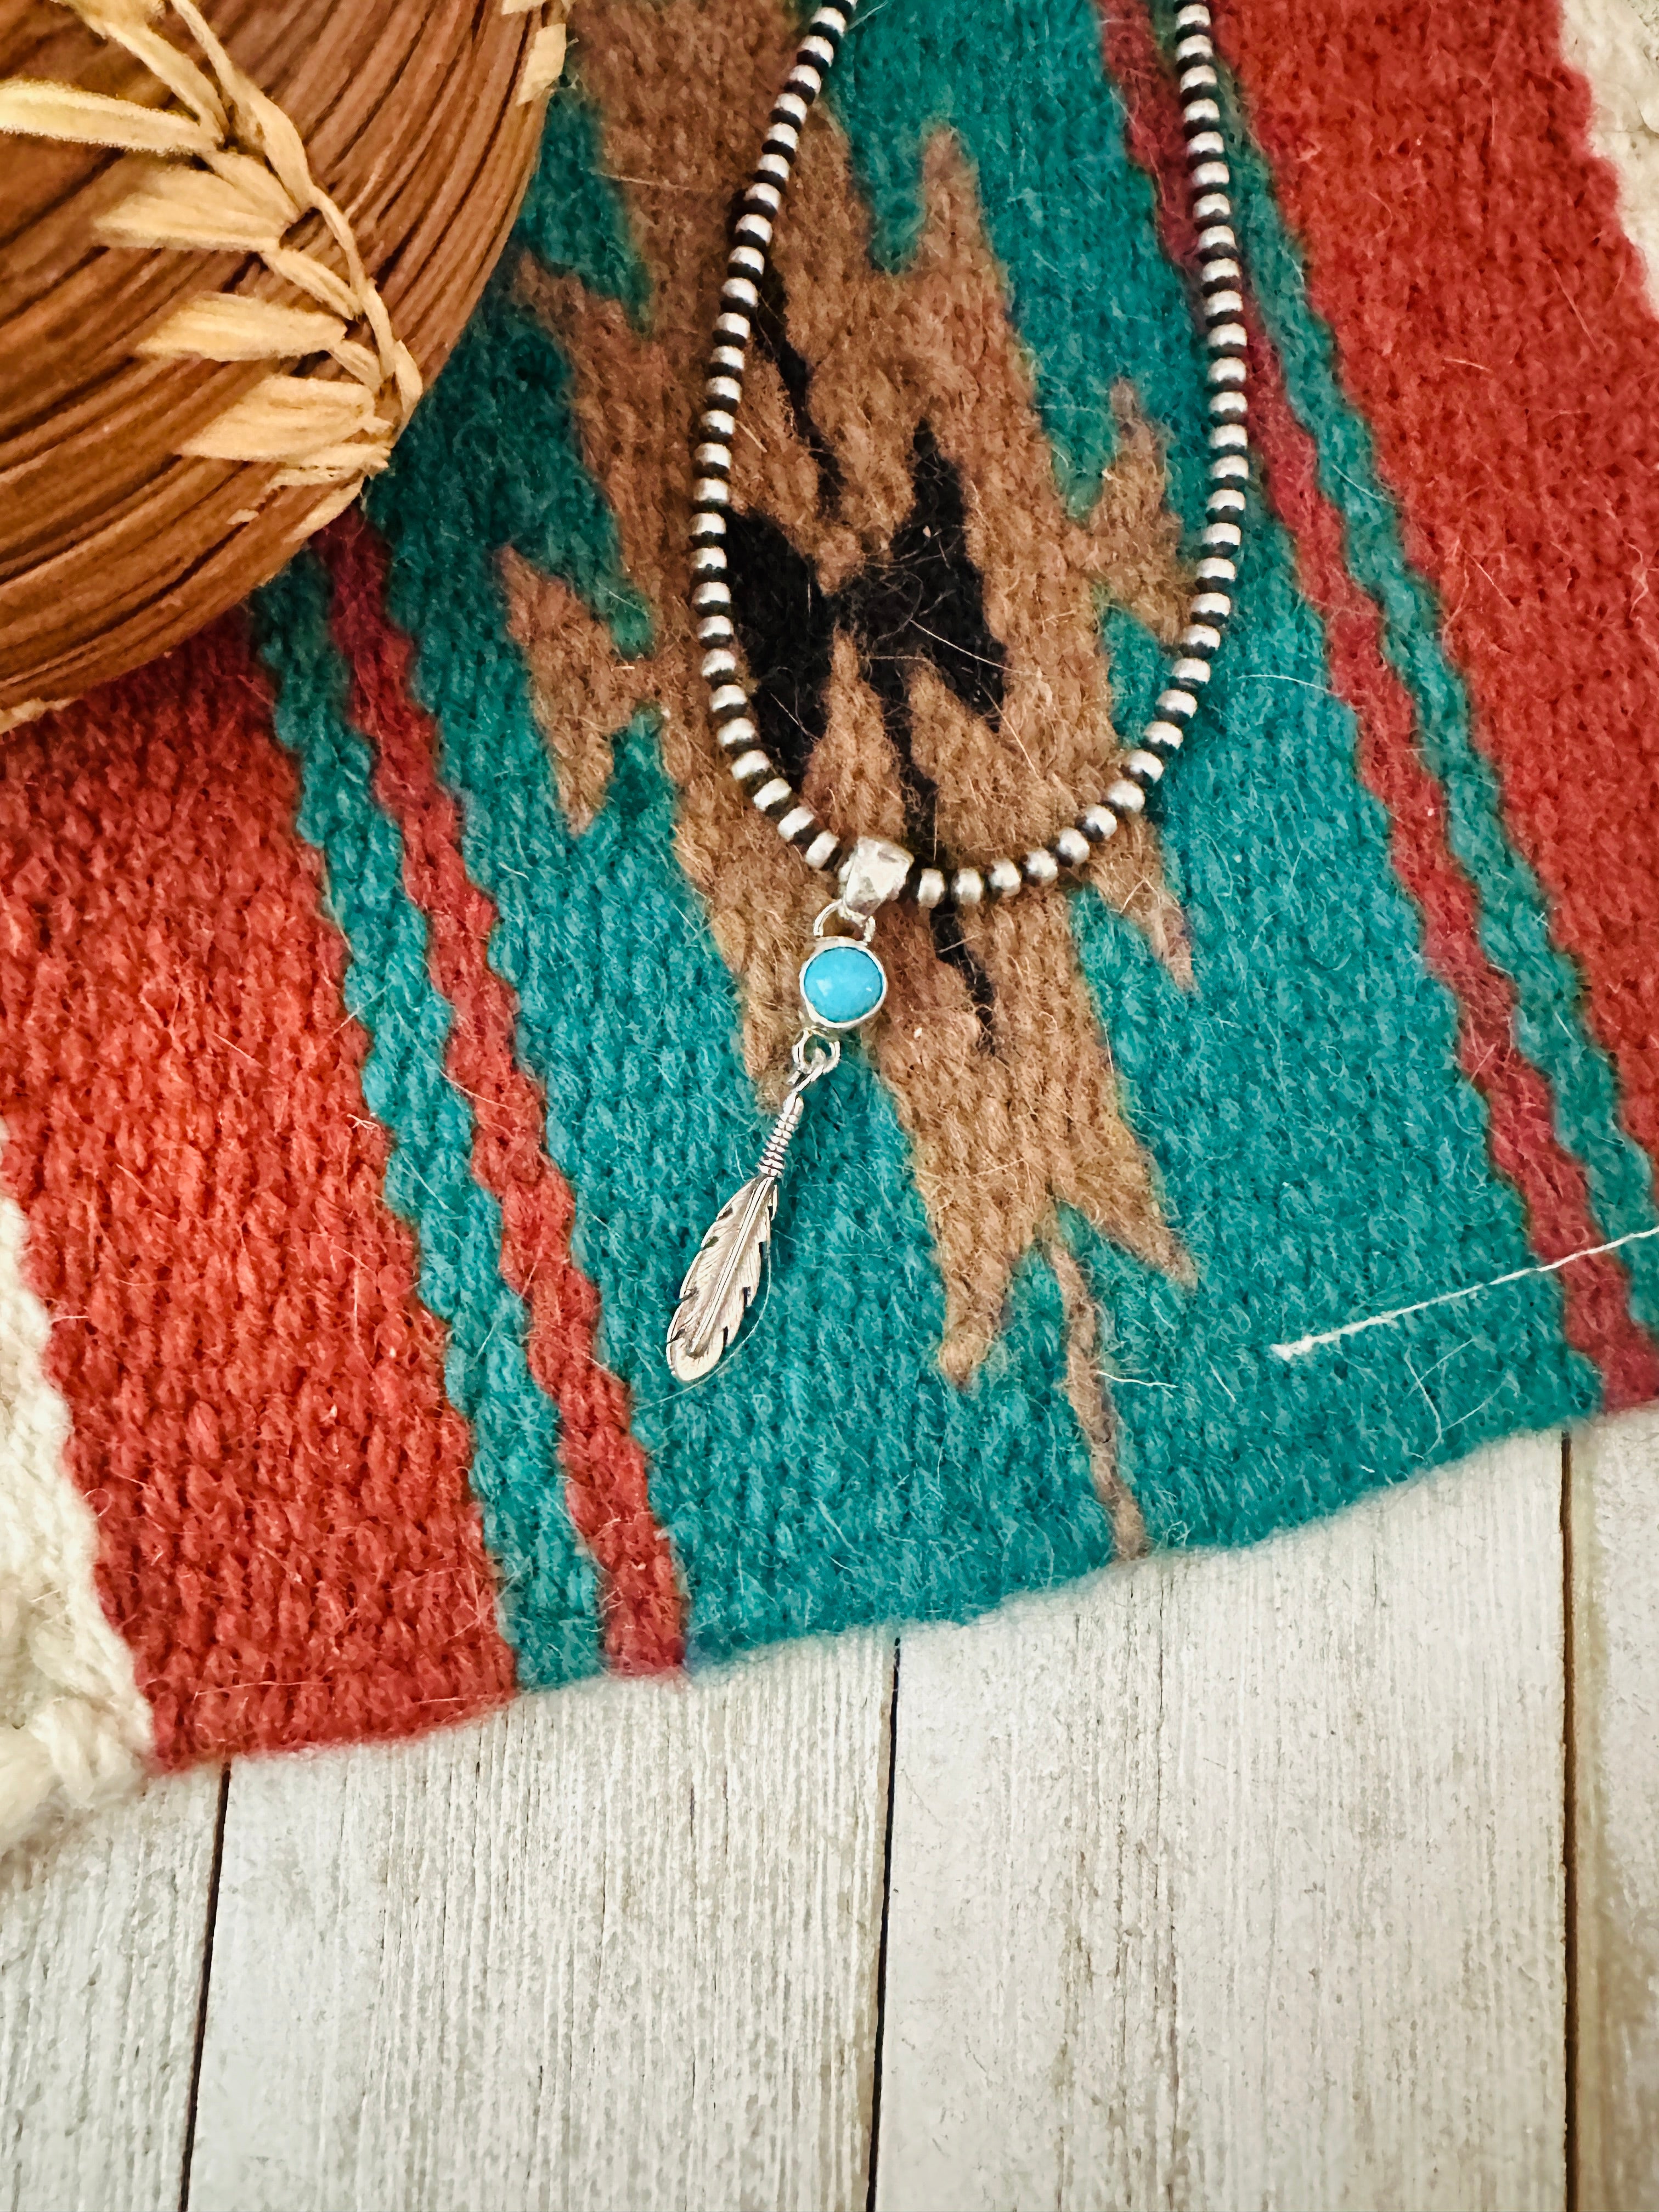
pixel 874 874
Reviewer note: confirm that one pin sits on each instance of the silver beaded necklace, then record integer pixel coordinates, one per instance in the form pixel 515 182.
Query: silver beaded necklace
pixel 843 982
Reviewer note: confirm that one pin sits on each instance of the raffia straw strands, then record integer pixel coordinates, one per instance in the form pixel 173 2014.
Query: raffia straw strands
pixel 544 63
pixel 242 182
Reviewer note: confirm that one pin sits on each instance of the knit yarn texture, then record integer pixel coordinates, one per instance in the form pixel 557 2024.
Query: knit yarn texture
pixel 394 981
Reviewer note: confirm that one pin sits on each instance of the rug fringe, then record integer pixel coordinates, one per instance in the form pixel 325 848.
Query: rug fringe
pixel 75 1732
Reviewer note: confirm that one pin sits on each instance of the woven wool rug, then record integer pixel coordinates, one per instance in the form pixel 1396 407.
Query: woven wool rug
pixel 392 983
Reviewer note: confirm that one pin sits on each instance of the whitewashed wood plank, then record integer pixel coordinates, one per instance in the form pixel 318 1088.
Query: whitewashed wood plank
pixel 101 1928
pixel 1615 1698
pixel 615 1947
pixel 1237 1880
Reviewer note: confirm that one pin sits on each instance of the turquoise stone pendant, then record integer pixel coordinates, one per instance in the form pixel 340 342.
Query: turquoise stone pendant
pixel 841 985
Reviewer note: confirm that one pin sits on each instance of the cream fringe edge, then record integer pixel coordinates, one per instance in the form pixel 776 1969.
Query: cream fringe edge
pixel 75 1733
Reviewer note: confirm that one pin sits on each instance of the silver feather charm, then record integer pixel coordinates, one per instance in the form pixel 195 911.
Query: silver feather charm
pixel 723 1278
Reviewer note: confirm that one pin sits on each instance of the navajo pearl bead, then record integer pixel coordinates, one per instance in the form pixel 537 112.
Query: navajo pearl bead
pixel 1041 866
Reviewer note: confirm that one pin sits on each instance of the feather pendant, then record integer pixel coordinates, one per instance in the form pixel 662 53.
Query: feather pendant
pixel 723 1278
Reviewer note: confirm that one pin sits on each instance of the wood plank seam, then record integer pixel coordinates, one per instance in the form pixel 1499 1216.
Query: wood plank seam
pixel 874 2154
pixel 211 1919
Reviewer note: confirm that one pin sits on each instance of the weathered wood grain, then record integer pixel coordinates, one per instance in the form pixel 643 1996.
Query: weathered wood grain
pixel 1237 1881
pixel 615 1947
pixel 102 1928
pixel 1615 1698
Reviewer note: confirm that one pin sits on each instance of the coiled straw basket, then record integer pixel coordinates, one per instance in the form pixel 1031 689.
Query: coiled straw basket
pixel 236 242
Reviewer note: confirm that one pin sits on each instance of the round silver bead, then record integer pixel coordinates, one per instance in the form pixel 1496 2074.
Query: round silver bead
pixel 968 887
pixel 1124 797
pixel 1097 823
pixel 1187 671
pixel 930 887
pixel 1073 848
pixel 1168 735
pixel 1041 866
pixel 822 850
pixel 733 735
pixel 748 766
pixel 1002 879
pixel 728 695
pixel 1146 767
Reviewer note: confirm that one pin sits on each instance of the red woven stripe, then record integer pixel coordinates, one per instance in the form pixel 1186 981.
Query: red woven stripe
pixel 288 1543
pixel 609 1495
pixel 1492 324
pixel 1596 1318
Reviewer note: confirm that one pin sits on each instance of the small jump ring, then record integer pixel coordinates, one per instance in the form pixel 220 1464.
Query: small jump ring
pixel 863 925
pixel 808 1070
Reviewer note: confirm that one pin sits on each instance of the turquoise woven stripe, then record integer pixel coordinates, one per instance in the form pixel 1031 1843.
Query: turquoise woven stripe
pixel 549 1594
pixel 1514 913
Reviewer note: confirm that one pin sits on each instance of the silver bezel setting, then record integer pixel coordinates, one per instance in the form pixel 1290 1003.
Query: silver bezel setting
pixel 820 1021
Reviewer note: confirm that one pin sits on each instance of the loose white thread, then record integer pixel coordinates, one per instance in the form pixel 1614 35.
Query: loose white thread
pixel 1303 1345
